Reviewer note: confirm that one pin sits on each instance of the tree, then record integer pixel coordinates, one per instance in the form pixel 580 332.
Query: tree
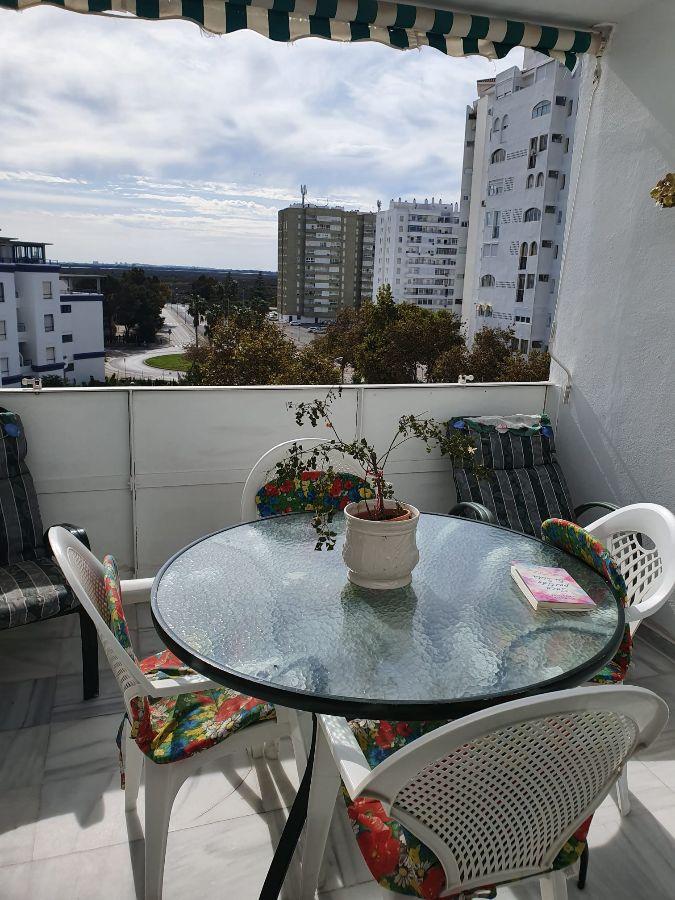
pixel 490 354
pixel 134 301
pixel 246 350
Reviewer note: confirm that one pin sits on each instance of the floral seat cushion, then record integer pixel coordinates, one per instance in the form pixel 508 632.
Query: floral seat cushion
pixel 294 495
pixel 167 729
pixel 398 860
pixel 578 542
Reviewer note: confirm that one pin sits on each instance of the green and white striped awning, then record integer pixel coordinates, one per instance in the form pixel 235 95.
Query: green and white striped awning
pixel 404 26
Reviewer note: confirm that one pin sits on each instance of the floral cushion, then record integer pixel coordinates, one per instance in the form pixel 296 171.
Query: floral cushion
pixel 578 542
pixel 279 497
pixel 171 728
pixel 397 859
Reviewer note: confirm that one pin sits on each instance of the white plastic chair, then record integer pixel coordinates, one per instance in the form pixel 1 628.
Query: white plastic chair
pixel 649 572
pixel 494 795
pixel 262 471
pixel 85 576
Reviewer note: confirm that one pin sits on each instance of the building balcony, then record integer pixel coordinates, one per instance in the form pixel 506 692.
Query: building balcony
pixel 141 494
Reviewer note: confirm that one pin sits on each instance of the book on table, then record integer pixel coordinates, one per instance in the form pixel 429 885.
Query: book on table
pixel 547 587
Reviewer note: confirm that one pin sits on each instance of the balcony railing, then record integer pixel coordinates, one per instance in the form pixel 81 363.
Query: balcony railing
pixel 125 482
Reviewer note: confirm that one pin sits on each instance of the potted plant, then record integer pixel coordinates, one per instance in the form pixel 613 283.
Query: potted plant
pixel 380 549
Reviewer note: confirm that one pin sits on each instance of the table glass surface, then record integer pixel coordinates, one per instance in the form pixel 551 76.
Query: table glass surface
pixel 257 601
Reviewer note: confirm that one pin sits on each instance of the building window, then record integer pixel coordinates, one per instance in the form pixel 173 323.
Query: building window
pixel 487 281
pixel 496 125
pixel 50 354
pixel 65 308
pixel 540 179
pixel 530 181
pixel 557 138
pixel 543 277
pixel 3 330
pixel 2 292
pixel 570 106
pixel 46 290
pixel 550 210
pixel 498 156
pixel 567 145
pixel 67 338
pixel 553 173
pixel 560 101
pixel 532 215
pixel 4 365
pixel 543 141
pixel 547 243
pixel 523 345
pixel 563 181
pixel 541 109
pixel 533 248
pixel 495 187
pixel 505 125
pixel 530 280
pixel 522 260
pixel 49 322
pixel 555 252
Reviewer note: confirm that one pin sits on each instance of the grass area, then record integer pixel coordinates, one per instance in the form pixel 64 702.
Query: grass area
pixel 175 361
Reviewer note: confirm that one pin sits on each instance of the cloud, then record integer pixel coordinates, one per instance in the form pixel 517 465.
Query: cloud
pixel 148 140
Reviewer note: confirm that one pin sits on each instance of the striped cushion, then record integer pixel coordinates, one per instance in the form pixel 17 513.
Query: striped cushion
pixel 20 523
pixel 32 590
pixel 524 485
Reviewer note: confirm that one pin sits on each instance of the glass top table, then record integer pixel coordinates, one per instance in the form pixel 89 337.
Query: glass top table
pixel 256 608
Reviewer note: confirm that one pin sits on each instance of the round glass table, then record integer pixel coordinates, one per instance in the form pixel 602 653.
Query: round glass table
pixel 256 608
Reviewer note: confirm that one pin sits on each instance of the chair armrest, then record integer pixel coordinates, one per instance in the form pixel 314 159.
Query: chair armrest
pixel 76 532
pixel 182 684
pixel 480 512
pixel 349 759
pixel 595 504
pixel 136 590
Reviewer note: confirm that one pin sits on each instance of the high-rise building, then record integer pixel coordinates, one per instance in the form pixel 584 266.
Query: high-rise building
pixel 517 161
pixel 51 320
pixel 325 261
pixel 419 252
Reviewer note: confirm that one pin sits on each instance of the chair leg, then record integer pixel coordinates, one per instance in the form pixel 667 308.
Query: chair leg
pixel 621 794
pixel 161 787
pixel 553 886
pixel 133 769
pixel 583 868
pixel 89 656
pixel 322 795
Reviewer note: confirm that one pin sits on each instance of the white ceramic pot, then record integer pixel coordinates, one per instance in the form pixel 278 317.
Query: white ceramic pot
pixel 380 555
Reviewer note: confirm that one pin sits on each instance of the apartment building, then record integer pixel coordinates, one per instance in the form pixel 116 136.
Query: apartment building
pixel 325 261
pixel 420 250
pixel 518 151
pixel 51 321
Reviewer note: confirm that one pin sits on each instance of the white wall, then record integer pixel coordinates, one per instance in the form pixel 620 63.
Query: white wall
pixel 616 308
pixel 147 470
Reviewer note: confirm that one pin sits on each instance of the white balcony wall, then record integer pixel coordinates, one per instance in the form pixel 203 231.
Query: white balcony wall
pixel 615 319
pixel 147 470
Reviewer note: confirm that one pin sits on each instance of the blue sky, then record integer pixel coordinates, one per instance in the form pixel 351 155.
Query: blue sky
pixel 152 142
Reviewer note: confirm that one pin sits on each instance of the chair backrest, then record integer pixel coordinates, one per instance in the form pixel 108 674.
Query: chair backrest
pixel 496 795
pixel 641 541
pixel 86 577
pixel 524 483
pixel 262 473
pixel 21 535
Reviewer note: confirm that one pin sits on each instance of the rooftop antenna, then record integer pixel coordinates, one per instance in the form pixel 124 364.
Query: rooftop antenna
pixel 303 194
pixel 379 205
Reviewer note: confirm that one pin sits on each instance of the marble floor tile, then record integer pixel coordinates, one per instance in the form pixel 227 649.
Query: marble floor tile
pixel 24 704
pixel 84 747
pixel 24 657
pixel 22 757
pixel 70 657
pixel 69 705
pixel 83 814
pixel 19 810
pixel 660 757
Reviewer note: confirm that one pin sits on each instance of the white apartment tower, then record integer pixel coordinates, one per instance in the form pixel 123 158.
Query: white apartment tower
pixel 51 321
pixel 518 150
pixel 419 252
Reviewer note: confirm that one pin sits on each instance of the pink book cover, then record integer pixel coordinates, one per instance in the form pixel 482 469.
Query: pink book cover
pixel 550 587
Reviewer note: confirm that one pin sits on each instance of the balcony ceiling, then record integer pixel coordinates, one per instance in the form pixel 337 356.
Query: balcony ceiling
pixel 580 13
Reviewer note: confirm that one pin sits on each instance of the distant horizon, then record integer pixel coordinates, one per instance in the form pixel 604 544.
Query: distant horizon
pixel 185 147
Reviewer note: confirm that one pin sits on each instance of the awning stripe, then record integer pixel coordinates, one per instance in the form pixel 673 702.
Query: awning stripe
pixel 401 25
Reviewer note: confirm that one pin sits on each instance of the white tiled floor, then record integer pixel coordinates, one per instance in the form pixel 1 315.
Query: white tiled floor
pixel 64 834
